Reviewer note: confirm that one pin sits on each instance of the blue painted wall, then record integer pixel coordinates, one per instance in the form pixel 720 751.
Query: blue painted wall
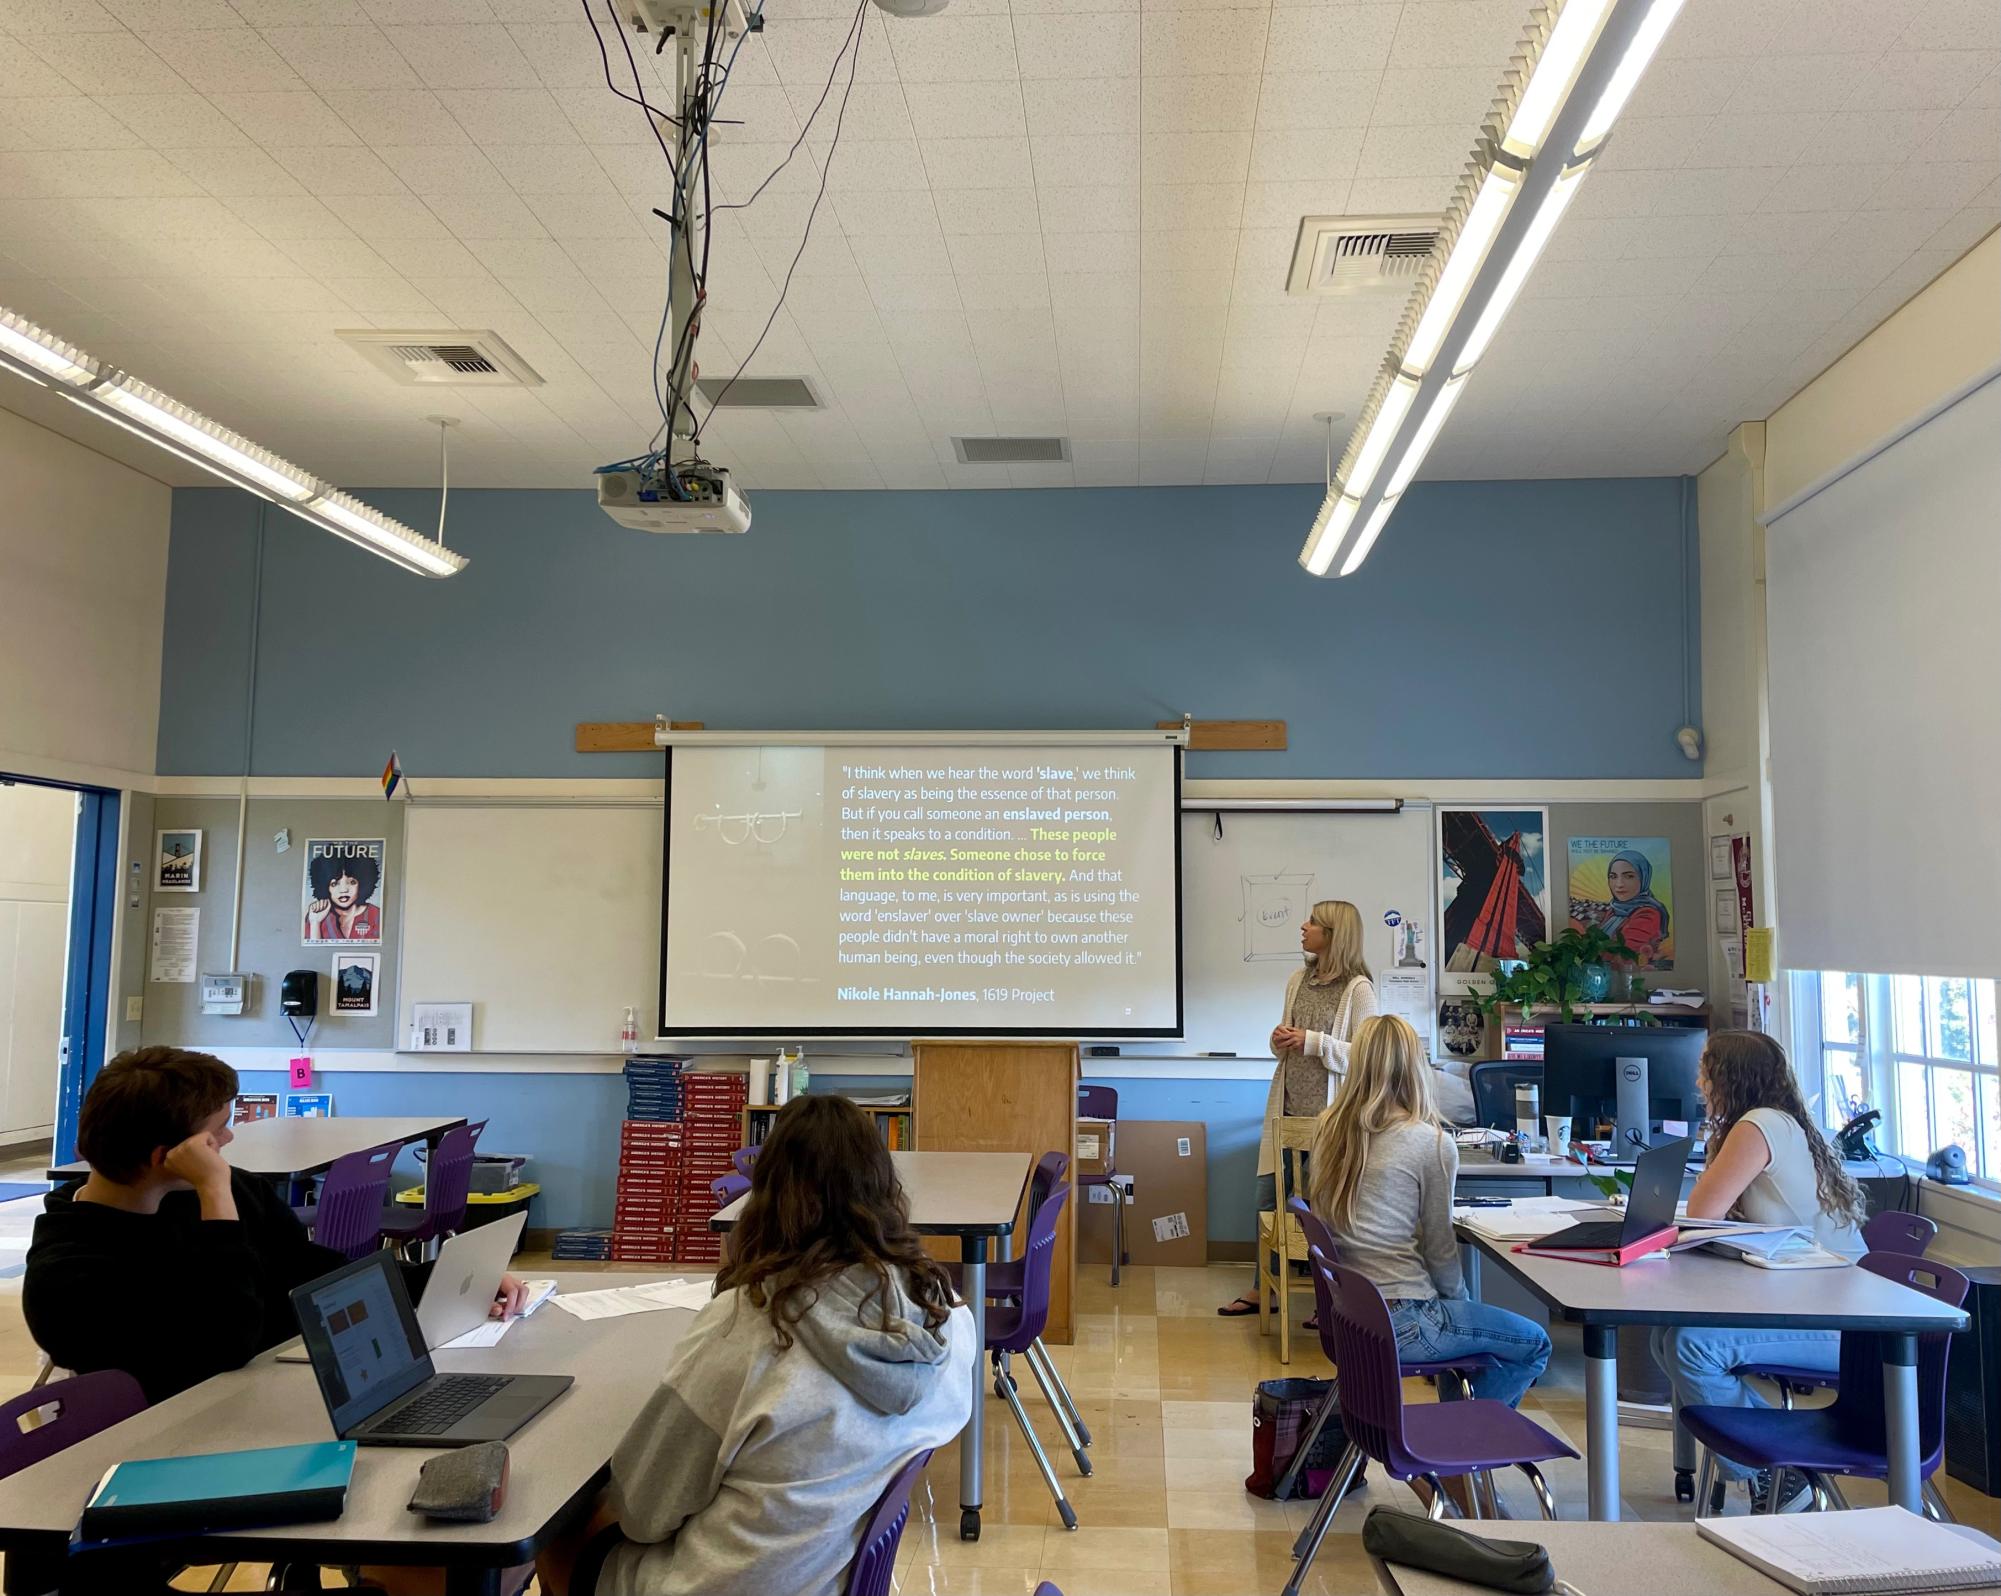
pixel 1102 607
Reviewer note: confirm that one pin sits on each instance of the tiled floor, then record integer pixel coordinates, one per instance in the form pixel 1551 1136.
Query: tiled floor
pixel 1165 1387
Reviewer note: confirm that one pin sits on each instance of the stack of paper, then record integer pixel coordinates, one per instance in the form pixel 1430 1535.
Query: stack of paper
pixel 617 1301
pixel 1870 1551
pixel 1525 1218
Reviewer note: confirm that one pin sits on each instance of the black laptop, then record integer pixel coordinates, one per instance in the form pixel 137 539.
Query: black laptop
pixel 376 1376
pixel 1649 1206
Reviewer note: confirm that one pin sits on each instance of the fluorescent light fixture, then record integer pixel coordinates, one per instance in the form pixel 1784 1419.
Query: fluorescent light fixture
pixel 1549 80
pixel 1372 530
pixel 1329 527
pixel 1397 399
pixel 1627 76
pixel 1476 236
pixel 1422 439
pixel 111 395
pixel 1541 225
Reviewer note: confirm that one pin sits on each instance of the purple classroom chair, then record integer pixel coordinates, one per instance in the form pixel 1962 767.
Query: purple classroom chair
pixel 1102 1102
pixel 1890 1233
pixel 1017 1328
pixel 726 1189
pixel 1047 1588
pixel 1462 1369
pixel 348 1216
pixel 447 1186
pixel 84 1404
pixel 744 1160
pixel 1431 1441
pixel 1849 1435
pixel 875 1559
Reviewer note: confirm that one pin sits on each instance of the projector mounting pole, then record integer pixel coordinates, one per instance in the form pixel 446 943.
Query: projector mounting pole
pixel 684 244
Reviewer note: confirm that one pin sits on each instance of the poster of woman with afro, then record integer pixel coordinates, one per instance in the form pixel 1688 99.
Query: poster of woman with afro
pixel 342 889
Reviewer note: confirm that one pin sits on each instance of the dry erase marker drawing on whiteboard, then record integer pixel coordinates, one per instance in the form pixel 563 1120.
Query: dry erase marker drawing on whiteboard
pixel 441 1027
pixel 1273 908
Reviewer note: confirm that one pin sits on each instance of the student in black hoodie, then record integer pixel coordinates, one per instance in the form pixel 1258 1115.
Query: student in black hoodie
pixel 165 1262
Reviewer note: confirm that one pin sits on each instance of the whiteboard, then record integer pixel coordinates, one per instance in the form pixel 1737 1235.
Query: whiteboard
pixel 545 919
pixel 1243 896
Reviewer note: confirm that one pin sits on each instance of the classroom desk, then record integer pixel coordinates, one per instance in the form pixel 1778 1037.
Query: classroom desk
pixel 1692 1288
pixel 975 1197
pixel 1632 1559
pixel 560 1457
pixel 306 1146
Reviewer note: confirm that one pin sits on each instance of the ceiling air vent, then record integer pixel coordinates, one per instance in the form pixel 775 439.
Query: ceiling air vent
pixel 1360 254
pixel 1011 451
pixel 454 358
pixel 758 393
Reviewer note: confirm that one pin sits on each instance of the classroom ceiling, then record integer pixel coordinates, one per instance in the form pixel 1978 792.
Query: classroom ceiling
pixel 1045 216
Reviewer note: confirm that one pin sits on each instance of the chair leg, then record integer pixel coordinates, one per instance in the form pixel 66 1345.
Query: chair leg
pixel 1062 1390
pixel 1544 1500
pixel 1832 1487
pixel 1308 1546
pixel 1328 1405
pixel 1486 1499
pixel 223 1576
pixel 1786 1395
pixel 1011 1395
pixel 1062 1414
pixel 1284 1296
pixel 1440 1503
pixel 1705 1483
pixel 1934 1504
pixel 1118 1230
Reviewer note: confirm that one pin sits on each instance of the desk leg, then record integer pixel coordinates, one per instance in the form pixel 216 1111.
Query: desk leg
pixel 1900 1419
pixel 472 1582
pixel 1601 1420
pixel 1469 1269
pixel 973 1269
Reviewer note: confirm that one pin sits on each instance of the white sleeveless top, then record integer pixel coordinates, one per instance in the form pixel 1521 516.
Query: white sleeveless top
pixel 1785 1192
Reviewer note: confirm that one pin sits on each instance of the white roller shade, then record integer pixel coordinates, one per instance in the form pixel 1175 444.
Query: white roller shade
pixel 1884 607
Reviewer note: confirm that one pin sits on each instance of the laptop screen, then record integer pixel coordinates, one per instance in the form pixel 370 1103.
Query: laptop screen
pixel 362 1337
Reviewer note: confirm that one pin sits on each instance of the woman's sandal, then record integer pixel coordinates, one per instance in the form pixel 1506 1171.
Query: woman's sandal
pixel 1239 1308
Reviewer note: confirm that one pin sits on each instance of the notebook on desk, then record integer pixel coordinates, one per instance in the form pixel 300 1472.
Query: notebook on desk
pixel 1645 1227
pixel 1871 1551
pixel 219 1490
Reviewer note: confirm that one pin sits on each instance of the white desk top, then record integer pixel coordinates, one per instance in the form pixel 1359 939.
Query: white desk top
pixel 951 1194
pixel 1631 1559
pixel 1699 1288
pixel 306 1146
pixel 556 1455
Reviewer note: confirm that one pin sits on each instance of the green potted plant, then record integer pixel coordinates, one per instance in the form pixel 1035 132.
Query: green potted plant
pixel 1572 968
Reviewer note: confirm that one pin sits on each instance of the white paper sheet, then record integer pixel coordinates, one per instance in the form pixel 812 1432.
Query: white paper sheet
pixel 482 1335
pixel 617 1301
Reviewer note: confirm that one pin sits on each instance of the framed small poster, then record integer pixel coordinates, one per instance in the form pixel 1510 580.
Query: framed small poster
pixel 177 861
pixel 354 984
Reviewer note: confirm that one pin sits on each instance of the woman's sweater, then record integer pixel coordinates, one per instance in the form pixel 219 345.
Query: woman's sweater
pixel 1401 1236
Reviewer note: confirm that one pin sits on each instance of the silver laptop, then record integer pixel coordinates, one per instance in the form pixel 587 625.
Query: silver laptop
pixel 460 1291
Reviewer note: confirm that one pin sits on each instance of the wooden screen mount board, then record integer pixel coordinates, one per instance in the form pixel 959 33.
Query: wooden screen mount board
pixel 636 736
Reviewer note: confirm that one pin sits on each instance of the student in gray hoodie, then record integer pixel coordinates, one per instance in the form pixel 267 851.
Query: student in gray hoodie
pixel 833 1351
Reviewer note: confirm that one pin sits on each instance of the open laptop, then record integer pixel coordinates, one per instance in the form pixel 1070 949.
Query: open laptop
pixel 1649 1206
pixel 376 1376
pixel 461 1287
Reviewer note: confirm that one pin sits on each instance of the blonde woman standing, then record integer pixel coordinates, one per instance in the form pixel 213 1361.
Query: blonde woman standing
pixel 1326 1001
pixel 1382 1173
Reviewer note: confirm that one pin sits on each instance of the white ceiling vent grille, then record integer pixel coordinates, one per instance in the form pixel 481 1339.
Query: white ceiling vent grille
pixel 454 358
pixel 1361 254
pixel 758 393
pixel 1011 451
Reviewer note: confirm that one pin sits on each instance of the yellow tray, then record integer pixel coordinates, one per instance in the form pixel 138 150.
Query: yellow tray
pixel 514 1194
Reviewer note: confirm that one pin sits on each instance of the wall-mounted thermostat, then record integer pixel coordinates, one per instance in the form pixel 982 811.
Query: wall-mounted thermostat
pixel 224 994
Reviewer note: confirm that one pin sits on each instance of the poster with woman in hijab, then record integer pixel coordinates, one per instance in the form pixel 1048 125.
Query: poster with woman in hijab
pixel 1626 885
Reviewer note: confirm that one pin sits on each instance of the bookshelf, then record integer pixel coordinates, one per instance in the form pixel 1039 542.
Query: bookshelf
pixel 892 1124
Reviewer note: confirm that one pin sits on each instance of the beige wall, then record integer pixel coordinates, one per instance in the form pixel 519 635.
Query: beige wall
pixel 1941 341
pixel 83 590
pixel 37 827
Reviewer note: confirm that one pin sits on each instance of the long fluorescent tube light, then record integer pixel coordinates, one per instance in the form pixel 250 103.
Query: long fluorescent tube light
pixel 1469 250
pixel 1631 66
pixel 1120 737
pixel 1397 400
pixel 113 395
pixel 1329 527
pixel 1550 78
pixel 1372 530
pixel 1554 204
pixel 1314 806
pixel 1421 440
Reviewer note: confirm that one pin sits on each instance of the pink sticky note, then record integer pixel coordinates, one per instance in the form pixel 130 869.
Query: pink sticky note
pixel 302 1072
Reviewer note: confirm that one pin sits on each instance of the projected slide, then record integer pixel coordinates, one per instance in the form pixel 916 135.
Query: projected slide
pixel 884 891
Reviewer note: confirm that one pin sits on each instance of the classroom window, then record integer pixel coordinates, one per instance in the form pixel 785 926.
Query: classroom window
pixel 1924 1049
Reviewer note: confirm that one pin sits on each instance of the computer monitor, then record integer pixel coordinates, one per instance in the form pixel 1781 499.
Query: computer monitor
pixel 1589 1069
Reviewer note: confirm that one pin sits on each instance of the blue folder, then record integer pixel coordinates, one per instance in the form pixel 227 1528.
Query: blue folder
pixel 220 1490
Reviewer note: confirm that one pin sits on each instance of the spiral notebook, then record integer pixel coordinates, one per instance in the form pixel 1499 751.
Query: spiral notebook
pixel 1857 1553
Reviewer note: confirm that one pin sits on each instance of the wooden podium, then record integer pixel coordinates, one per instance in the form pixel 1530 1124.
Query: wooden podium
pixel 976 1096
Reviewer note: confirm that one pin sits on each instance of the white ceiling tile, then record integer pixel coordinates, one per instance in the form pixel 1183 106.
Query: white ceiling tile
pixel 565 56
pixel 1084 160
pixel 1096 257
pixel 463 56
pixel 104 63
pixel 1952 25
pixel 1412 196
pixel 1462 96
pixel 1450 33
pixel 1100 44
pixel 1098 463
pixel 458 169
pixel 928 291
pixel 1779 232
pixel 1281 205
pixel 578 216
pixel 342 58
pixel 1825 188
pixel 1919 80
pixel 1966 228
pixel 564 169
pixel 1651 143
pixel 1304 155
pixel 375 217
pixel 1414 151
pixel 1319 99
pixel 1927 185
pixel 1106 208
pixel 1969 133
pixel 995 254
pixel 1195 43
pixel 174 121
pixel 229 174
pixel 1175 290
pixel 68 122
pixel 818 255
pixel 1697 86
pixel 873 166
pixel 1333 38
pixel 1182 104
pixel 98 173
pixel 1194 157
pixel 224 60
pixel 419 258
pixel 487 116
pixel 297 119
pixel 805 51
pixel 965 110
pixel 1720 28
pixel 908 254
pixel 61 16
pixel 977 163
pixel 490 216
pixel 950 49
pixel 895 214
pixel 1874 136
pixel 339 170
pixel 1754 139
pixel 1181 207
pixel 332 259
pixel 1074 106
pixel 1714 191
pixel 868 111
pixel 982 291
pixel 1797 84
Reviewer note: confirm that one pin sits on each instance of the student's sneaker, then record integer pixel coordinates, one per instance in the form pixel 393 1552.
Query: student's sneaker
pixel 1794 1492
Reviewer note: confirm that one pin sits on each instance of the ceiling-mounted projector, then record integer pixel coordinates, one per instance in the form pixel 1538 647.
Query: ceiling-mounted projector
pixel 707 500
pixel 911 8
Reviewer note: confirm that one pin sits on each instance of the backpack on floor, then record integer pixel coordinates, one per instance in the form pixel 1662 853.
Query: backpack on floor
pixel 1281 1414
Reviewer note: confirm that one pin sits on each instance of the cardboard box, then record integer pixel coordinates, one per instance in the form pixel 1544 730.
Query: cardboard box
pixel 1167 1220
pixel 1094 1147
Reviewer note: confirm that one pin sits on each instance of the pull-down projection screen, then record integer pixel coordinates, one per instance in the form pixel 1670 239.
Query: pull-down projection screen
pixel 860 890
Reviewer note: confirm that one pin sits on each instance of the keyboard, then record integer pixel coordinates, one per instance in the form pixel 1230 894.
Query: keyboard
pixel 441 1404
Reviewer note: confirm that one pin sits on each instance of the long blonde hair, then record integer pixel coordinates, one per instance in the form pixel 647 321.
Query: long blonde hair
pixel 1341 960
pixel 1388 1084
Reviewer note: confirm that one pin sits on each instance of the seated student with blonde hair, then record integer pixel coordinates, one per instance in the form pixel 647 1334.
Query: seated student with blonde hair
pixel 1382 1173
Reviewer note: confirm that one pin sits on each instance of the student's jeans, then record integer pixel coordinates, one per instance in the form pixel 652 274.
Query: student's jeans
pixel 1698 1364
pixel 1458 1327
